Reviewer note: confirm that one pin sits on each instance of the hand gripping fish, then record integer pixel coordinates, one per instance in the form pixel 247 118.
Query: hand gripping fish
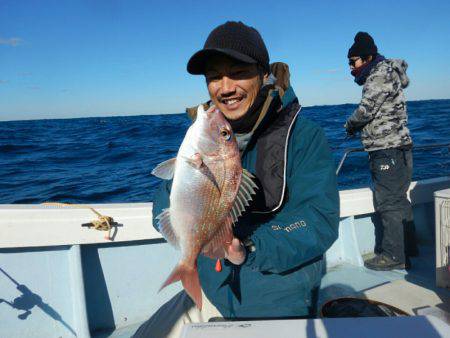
pixel 210 190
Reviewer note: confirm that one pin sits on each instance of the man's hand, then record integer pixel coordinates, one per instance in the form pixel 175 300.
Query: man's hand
pixel 236 252
pixel 350 130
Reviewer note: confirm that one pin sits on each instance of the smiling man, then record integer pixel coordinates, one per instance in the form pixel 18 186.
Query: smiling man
pixel 274 264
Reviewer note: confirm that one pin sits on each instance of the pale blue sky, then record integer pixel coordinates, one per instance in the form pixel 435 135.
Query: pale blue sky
pixel 63 59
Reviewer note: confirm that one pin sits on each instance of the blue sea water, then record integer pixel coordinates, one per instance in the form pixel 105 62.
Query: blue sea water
pixel 109 159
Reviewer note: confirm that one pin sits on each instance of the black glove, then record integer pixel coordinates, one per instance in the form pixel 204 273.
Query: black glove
pixel 349 128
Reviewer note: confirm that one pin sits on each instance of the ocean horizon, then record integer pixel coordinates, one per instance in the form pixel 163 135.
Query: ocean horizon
pixel 112 114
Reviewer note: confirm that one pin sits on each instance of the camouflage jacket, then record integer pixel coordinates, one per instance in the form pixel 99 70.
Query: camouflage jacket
pixel 381 116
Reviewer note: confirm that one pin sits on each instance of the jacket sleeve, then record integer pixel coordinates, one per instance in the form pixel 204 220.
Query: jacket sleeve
pixel 161 201
pixel 307 225
pixel 376 89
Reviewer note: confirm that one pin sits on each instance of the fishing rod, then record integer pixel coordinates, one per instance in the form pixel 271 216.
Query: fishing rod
pixel 356 150
pixel 12 279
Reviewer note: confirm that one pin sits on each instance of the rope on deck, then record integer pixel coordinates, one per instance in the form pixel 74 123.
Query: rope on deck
pixel 102 223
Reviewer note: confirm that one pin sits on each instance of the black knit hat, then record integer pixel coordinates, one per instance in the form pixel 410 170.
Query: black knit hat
pixel 235 40
pixel 363 45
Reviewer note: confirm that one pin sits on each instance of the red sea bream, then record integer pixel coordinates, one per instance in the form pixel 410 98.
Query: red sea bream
pixel 209 191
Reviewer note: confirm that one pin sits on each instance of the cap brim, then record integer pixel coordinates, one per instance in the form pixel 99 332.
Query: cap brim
pixel 197 62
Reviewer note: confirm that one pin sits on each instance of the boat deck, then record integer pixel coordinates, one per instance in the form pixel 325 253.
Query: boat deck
pixel 413 291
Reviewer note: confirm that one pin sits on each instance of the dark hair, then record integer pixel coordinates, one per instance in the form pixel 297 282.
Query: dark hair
pixel 262 70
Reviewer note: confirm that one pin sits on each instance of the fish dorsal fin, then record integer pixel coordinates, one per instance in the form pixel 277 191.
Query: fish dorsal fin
pixel 165 170
pixel 221 239
pixel 244 195
pixel 165 227
pixel 200 109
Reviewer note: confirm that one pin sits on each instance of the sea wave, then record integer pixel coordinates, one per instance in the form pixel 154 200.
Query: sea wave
pixel 105 160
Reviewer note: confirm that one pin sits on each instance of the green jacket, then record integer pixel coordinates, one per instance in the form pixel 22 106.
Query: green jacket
pixel 278 278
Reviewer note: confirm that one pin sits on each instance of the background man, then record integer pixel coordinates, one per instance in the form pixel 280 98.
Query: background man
pixel 381 118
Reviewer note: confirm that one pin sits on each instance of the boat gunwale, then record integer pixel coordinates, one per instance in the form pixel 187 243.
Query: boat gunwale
pixel 36 225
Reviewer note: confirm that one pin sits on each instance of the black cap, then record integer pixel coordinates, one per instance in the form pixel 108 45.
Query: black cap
pixel 234 39
pixel 363 45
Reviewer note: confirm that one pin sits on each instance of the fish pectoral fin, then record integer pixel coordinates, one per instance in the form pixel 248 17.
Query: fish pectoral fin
pixel 195 160
pixel 220 241
pixel 165 170
pixel 166 229
pixel 244 195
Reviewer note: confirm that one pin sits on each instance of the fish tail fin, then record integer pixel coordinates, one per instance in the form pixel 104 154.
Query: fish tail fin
pixel 189 279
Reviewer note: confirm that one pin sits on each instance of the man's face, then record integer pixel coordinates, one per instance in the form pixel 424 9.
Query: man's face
pixel 232 85
pixel 357 61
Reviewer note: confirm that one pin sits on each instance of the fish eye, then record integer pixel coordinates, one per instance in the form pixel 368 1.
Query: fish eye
pixel 225 134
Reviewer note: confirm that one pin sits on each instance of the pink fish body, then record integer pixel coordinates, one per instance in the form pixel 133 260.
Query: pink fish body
pixel 209 191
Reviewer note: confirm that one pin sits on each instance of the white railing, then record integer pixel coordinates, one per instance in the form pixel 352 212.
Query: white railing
pixel 39 225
